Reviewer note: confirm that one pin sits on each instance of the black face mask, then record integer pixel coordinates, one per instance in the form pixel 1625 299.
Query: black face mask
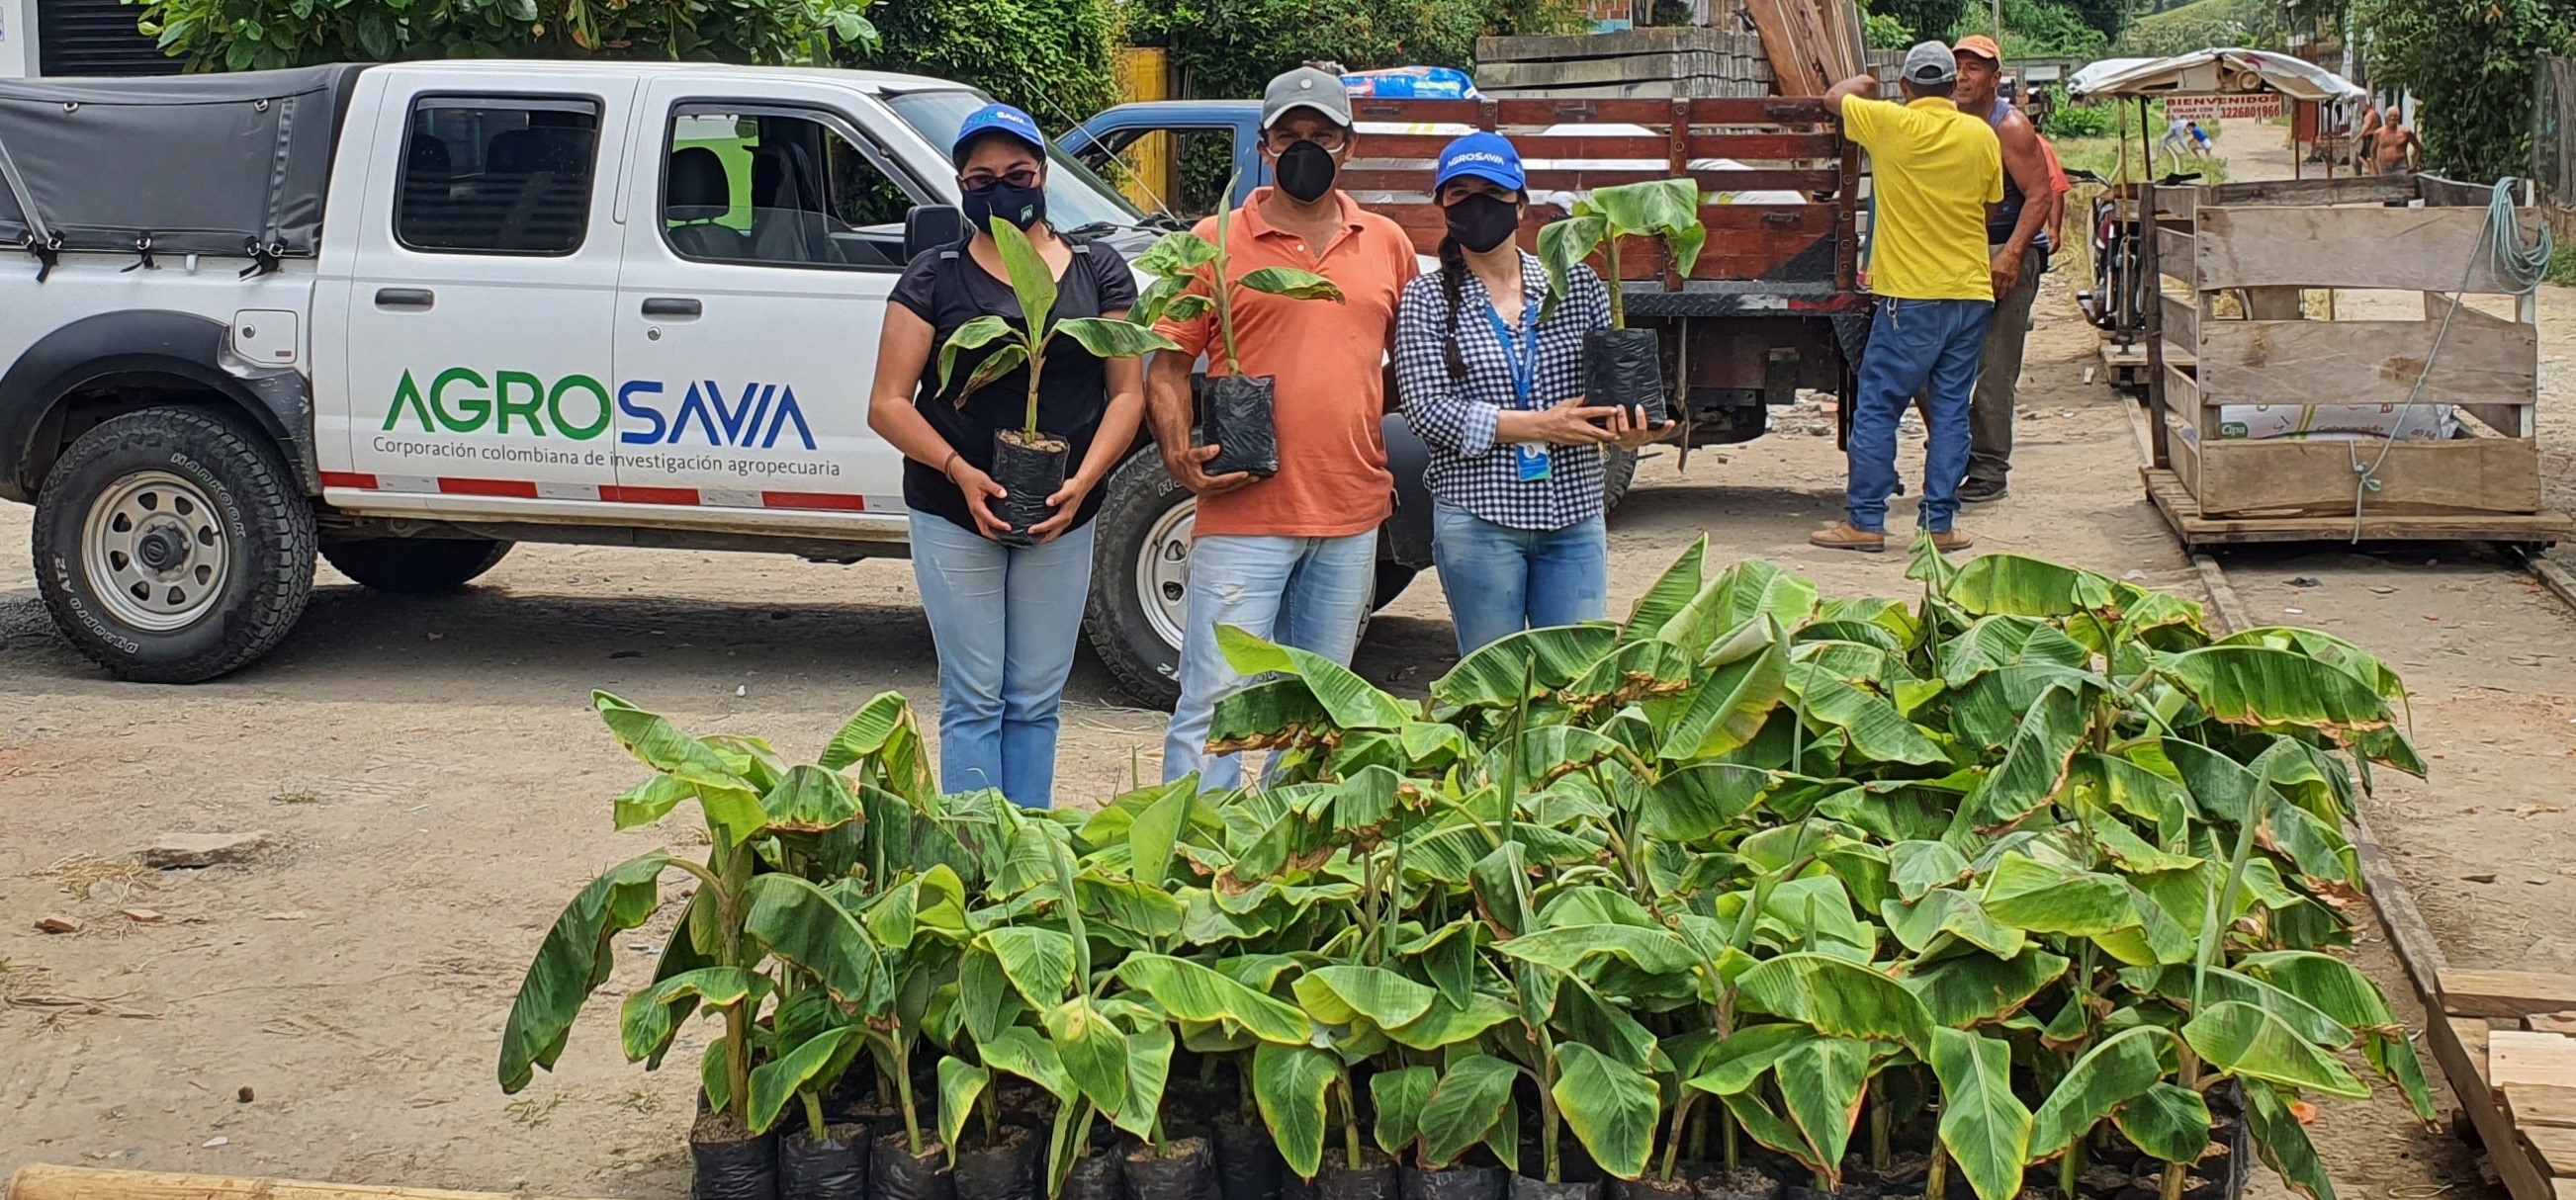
pixel 1481 222
pixel 1306 171
pixel 1023 207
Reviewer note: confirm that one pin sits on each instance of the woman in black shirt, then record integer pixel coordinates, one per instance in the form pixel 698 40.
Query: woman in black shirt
pixel 1004 618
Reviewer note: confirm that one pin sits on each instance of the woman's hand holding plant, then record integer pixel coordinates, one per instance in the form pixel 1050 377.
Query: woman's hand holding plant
pixel 1570 423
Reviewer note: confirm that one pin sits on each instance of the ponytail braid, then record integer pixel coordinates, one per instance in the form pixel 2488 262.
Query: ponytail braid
pixel 1453 278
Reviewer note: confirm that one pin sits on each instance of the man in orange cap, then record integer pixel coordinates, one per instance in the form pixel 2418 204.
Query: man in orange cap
pixel 2014 230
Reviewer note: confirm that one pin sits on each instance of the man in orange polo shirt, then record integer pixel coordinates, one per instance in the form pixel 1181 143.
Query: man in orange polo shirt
pixel 1291 558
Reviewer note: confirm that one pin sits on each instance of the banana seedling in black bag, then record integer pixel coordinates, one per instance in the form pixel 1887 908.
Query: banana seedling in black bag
pixel 1029 463
pixel 1623 366
pixel 1237 419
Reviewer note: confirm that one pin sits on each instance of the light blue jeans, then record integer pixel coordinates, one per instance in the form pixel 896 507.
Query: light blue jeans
pixel 1005 622
pixel 1310 593
pixel 1928 346
pixel 1502 580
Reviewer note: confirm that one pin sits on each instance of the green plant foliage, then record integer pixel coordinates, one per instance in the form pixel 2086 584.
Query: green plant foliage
pixel 1025 344
pixel 2049 28
pixel 2031 866
pixel 2474 108
pixel 1230 48
pixel 1053 58
pixel 246 35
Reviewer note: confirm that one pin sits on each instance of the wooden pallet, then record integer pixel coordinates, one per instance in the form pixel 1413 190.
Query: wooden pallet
pixel 2506 1040
pixel 2124 365
pixel 2183 513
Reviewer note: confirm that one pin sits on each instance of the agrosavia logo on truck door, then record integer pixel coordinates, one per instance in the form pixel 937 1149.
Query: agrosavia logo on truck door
pixel 577 407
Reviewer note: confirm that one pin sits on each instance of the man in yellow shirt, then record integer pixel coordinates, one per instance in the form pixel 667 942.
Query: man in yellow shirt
pixel 1934 170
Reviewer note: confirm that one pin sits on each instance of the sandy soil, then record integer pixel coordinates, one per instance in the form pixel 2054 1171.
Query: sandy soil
pixel 438 789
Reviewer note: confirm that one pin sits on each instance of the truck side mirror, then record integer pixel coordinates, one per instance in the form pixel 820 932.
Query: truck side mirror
pixel 931 226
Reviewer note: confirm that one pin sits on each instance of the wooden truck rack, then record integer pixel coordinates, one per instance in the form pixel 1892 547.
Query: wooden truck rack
pixel 2265 242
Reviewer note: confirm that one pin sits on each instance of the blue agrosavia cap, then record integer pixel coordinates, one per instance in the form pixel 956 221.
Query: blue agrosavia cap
pixel 1486 156
pixel 996 118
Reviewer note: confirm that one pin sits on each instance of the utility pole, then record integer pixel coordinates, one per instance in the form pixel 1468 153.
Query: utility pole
pixel 1999 24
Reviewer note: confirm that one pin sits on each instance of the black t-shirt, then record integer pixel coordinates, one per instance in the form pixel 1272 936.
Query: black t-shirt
pixel 947 289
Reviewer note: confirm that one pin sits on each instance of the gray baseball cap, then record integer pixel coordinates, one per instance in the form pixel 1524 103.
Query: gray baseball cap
pixel 1306 87
pixel 1930 63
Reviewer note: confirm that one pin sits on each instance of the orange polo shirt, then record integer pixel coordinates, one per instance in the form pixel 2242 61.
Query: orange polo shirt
pixel 1328 360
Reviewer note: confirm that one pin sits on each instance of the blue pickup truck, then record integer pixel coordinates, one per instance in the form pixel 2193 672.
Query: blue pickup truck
pixel 1236 123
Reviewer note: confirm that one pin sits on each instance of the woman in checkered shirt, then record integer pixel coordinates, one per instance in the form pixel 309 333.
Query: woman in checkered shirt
pixel 1490 369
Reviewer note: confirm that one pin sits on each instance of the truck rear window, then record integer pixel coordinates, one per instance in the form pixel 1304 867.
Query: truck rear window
pixel 497 176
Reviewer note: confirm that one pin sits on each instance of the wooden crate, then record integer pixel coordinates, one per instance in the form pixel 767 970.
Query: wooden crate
pixel 2262 244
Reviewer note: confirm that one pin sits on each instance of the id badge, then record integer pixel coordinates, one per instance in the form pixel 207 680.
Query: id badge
pixel 1533 462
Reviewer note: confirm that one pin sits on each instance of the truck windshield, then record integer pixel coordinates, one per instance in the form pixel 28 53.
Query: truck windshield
pixel 1075 197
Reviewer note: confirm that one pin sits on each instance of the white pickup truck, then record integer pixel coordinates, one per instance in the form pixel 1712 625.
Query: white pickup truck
pixel 408 315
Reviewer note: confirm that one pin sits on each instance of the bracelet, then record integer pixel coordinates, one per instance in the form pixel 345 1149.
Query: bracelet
pixel 950 461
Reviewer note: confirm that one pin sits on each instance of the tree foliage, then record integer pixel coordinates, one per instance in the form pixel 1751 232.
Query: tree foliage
pixel 1924 20
pixel 1230 48
pixel 2475 107
pixel 1054 58
pixel 2036 28
pixel 238 35
pixel 2254 24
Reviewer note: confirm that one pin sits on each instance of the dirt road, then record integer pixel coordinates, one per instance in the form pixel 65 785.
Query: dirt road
pixel 436 789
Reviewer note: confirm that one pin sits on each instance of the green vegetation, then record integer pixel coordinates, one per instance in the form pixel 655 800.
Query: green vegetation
pixel 2562 266
pixel 2475 106
pixel 1053 58
pixel 242 35
pixel 2034 28
pixel 1230 48
pixel 2027 871
pixel 2255 24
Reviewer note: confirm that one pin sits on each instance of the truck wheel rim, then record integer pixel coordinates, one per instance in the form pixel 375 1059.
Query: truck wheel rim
pixel 1163 570
pixel 154 552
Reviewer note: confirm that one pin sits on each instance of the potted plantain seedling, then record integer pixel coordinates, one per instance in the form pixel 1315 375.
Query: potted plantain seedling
pixel 1623 366
pixel 1030 463
pixel 1237 418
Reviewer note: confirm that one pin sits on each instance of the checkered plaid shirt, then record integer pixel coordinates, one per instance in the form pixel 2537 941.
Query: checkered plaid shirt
pixel 1469 470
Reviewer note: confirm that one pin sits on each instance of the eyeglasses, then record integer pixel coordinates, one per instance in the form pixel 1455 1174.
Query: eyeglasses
pixel 1023 178
pixel 1330 139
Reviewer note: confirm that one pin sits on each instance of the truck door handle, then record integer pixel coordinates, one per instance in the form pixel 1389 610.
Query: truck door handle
pixel 405 298
pixel 672 306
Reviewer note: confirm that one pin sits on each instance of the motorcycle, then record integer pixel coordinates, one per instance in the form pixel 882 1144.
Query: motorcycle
pixel 2117 301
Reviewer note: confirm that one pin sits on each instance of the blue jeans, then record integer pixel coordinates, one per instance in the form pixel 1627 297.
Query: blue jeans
pixel 1502 580
pixel 1310 593
pixel 1005 622
pixel 1928 346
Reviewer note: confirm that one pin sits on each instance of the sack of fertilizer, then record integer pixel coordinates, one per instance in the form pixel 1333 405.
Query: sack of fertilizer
pixel 2337 422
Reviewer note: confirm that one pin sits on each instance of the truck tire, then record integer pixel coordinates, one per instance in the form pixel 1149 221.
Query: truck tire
pixel 1139 567
pixel 412 566
pixel 172 545
pixel 1618 474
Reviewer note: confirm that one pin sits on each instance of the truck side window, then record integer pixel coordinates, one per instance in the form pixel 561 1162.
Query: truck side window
pixel 777 187
pixel 497 176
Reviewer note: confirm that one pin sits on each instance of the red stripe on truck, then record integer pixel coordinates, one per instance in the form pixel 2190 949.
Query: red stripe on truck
pixel 829 501
pixel 348 479
pixel 520 488
pixel 648 495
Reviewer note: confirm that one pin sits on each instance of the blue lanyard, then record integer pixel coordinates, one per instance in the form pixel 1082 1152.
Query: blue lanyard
pixel 1523 354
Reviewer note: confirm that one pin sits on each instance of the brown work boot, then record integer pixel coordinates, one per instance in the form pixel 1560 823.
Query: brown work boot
pixel 1950 541
pixel 1841 536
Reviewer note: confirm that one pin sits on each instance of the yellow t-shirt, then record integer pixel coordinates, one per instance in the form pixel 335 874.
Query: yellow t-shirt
pixel 1934 171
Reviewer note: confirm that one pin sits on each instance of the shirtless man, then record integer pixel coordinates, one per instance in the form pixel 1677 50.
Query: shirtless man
pixel 2366 134
pixel 2017 241
pixel 2395 150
